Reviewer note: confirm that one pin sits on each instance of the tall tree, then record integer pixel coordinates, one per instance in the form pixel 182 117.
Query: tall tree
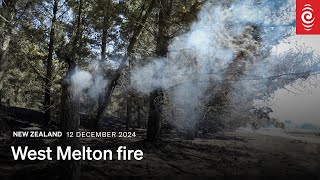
pixel 11 13
pixel 115 77
pixel 48 78
pixel 6 26
pixel 8 12
pixel 71 103
pixel 106 13
pixel 163 38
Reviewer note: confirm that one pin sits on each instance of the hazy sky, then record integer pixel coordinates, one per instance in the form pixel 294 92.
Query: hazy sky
pixel 302 104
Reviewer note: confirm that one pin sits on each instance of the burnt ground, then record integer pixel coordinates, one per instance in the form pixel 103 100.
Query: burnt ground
pixel 230 154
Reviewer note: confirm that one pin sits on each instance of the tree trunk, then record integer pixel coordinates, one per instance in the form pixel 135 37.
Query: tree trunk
pixel 154 118
pixel 5 44
pixel 48 79
pixel 128 118
pixel 8 13
pixel 139 116
pixel 104 36
pixel 234 73
pixel 114 79
pixel 70 104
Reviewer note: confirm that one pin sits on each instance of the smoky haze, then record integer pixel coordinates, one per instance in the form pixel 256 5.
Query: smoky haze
pixel 300 104
pixel 203 54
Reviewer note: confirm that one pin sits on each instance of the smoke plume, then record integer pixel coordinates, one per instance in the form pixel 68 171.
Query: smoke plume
pixel 200 57
pixel 83 81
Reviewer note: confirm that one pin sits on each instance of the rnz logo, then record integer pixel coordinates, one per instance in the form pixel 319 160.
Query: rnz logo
pixel 308 17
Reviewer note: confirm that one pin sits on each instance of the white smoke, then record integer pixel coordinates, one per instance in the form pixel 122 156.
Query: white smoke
pixel 98 85
pixel 202 55
pixel 80 80
pixel 83 81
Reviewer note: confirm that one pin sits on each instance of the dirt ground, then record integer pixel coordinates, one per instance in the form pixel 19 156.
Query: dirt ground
pixel 263 154
pixel 234 154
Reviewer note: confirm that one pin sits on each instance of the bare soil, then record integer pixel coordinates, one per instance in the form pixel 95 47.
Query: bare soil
pixel 231 154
